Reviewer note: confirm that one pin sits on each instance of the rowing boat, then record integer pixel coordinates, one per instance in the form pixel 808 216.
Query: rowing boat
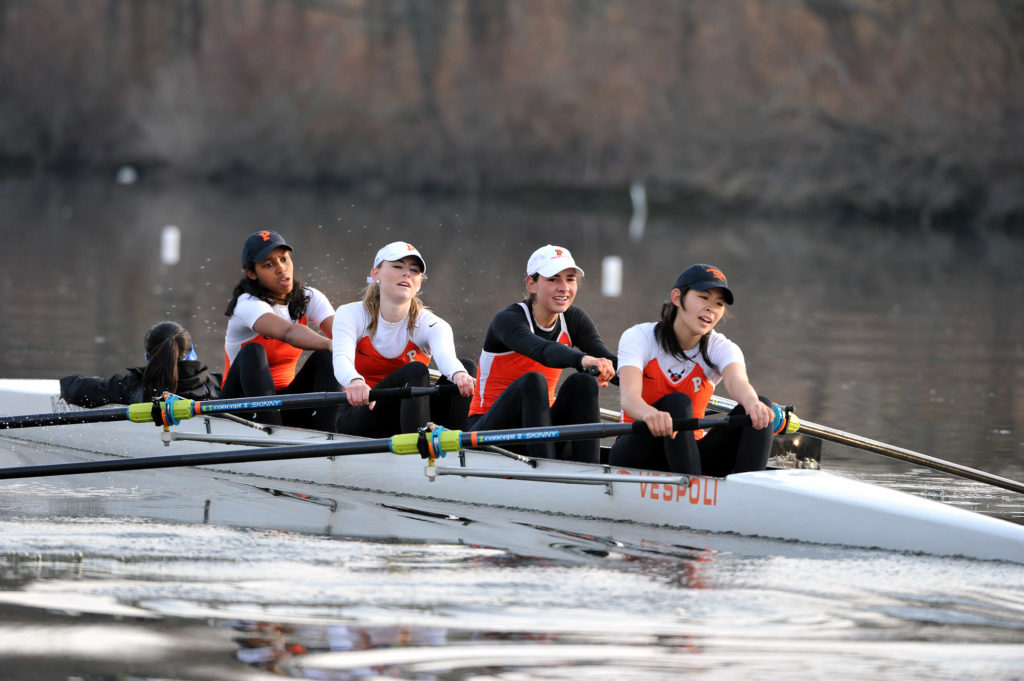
pixel 802 505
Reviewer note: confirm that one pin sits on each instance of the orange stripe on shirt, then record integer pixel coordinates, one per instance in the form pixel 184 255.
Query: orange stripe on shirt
pixel 497 371
pixel 283 358
pixel 375 367
pixel 657 383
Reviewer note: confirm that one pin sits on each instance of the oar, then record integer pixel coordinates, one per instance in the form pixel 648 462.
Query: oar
pixel 851 440
pixel 175 409
pixel 428 444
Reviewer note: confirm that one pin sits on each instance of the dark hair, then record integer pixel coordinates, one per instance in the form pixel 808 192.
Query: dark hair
pixel 166 344
pixel 666 335
pixel 528 297
pixel 297 300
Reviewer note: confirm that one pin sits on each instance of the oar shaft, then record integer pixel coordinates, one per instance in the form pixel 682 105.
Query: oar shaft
pixel 183 408
pixel 851 440
pixel 899 453
pixel 63 418
pixel 304 400
pixel 407 443
pixel 588 431
pixel 199 459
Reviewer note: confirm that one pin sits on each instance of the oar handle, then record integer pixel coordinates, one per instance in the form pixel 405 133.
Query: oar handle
pixel 412 391
pixel 594 371
pixel 729 421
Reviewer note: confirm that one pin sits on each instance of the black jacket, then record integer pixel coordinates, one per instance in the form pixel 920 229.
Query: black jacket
pixel 195 382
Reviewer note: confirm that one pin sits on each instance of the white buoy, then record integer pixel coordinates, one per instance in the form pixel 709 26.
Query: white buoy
pixel 127 175
pixel 170 245
pixel 638 222
pixel 611 276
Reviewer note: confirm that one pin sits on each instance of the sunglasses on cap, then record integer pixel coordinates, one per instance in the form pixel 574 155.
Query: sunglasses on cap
pixel 191 354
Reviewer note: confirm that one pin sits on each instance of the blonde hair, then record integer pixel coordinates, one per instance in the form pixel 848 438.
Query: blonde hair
pixel 371 302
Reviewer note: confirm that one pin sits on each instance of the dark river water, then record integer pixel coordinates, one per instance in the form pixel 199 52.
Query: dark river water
pixel 904 335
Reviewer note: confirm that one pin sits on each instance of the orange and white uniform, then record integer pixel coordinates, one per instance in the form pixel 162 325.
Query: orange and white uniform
pixel 357 355
pixel 515 345
pixel 283 357
pixel 664 373
pixel 498 369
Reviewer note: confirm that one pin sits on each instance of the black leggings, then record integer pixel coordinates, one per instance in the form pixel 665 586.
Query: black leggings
pixel 249 376
pixel 524 404
pixel 720 452
pixel 390 417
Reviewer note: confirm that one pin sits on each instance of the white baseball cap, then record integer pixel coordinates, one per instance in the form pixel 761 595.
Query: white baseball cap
pixel 396 250
pixel 547 261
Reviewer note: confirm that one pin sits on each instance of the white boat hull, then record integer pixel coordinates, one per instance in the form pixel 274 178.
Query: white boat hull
pixel 796 505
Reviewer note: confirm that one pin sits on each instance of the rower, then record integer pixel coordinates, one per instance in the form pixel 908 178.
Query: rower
pixel 527 346
pixel 387 340
pixel 669 369
pixel 172 365
pixel 272 319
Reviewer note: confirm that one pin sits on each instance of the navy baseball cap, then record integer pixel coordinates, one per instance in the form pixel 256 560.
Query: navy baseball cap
pixel 259 245
pixel 704 278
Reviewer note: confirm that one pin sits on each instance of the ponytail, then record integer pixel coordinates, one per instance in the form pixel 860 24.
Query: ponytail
pixel 166 344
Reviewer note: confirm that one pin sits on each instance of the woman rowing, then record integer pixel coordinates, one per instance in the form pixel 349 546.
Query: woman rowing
pixel 171 366
pixel 669 369
pixel 526 348
pixel 271 323
pixel 386 340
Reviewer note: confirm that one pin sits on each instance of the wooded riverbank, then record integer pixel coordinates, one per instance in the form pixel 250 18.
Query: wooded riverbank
pixel 891 109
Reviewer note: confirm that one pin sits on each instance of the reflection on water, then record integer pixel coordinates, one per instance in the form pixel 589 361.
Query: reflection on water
pixel 106 598
pixel 418 589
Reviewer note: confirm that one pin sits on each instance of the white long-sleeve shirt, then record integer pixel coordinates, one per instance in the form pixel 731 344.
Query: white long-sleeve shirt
pixel 431 336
